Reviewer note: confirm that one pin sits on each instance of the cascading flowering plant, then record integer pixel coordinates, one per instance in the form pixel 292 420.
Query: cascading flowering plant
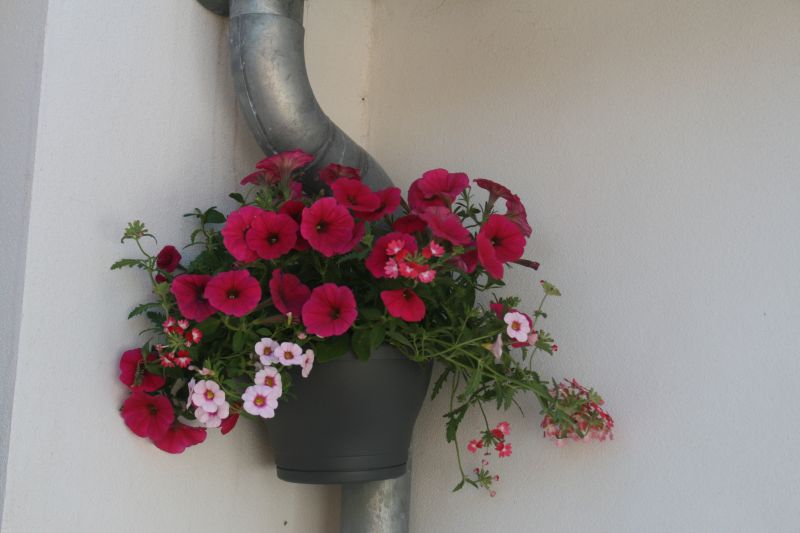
pixel 291 279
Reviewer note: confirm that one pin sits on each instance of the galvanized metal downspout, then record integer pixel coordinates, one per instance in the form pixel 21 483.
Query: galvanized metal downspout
pixel 275 95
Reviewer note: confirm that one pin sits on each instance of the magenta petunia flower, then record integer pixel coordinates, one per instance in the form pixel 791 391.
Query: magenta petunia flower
pixel 277 168
pixel 389 202
pixel 235 292
pixel 436 187
pixel 468 261
pixel 288 292
pixel 404 304
pixel 495 190
pixel 168 258
pixel 358 235
pixel 327 226
pixel 409 224
pixel 330 311
pixel 229 423
pixel 445 225
pixel 516 213
pixel 294 208
pixel 146 415
pixel 376 262
pixel 271 234
pixel 132 364
pixel 188 290
pixel 234 233
pixel 333 172
pixel 179 437
pixel 355 196
pixel 499 241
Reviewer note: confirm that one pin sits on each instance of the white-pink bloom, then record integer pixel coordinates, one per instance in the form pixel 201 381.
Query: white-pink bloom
pixel 289 353
pixel 308 363
pixel 258 401
pixel 213 420
pixel 390 270
pixel 518 326
pixel 271 378
pixel 265 349
pixel 191 391
pixel 426 276
pixel 208 396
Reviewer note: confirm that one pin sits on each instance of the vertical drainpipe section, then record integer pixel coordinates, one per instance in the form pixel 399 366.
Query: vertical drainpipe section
pixel 275 96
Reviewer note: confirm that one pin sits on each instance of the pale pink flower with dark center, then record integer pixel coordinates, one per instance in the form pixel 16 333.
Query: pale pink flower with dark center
pixel 308 363
pixel 271 378
pixel 265 349
pixel 518 326
pixel 289 353
pixel 258 401
pixel 208 396
pixel 213 420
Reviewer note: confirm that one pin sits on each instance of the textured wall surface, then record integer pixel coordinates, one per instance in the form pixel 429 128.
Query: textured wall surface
pixel 137 120
pixel 656 147
pixel 21 43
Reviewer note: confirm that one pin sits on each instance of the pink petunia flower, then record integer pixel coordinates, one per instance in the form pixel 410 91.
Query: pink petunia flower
pixel 436 187
pixel 168 258
pixel 213 419
pixel 179 437
pixel 358 235
pixel 376 261
pixel 235 292
pixel 518 326
pixel 229 423
pixel 208 396
pixel 234 233
pixel 289 353
pixel 468 261
pixel 294 209
pixel 495 190
pixel 133 374
pixel 390 199
pixel 355 196
pixel 271 235
pixel 334 171
pixel 277 168
pixel 288 292
pixel 499 241
pixel 258 401
pixel 516 213
pixel 146 415
pixel 330 311
pixel 409 224
pixel 308 363
pixel 327 226
pixel 404 304
pixel 265 349
pixel 270 377
pixel 445 225
pixel 188 290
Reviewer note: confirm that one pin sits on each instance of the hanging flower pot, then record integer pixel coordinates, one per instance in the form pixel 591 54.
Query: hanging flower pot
pixel 350 420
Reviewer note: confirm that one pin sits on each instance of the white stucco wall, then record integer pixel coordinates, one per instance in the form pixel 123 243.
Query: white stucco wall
pixel 137 120
pixel 656 147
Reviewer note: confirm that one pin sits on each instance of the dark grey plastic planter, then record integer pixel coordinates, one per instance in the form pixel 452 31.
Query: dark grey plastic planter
pixel 350 420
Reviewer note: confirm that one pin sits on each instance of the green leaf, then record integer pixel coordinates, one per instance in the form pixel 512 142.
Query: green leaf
pixel 377 335
pixel 361 344
pixel 123 263
pixel 139 309
pixel 371 313
pixel 454 418
pixel 550 289
pixel 236 196
pixel 459 486
pixel 238 341
pixel 331 348
pixel 157 318
pixel 212 216
pixel 209 326
pixel 440 381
